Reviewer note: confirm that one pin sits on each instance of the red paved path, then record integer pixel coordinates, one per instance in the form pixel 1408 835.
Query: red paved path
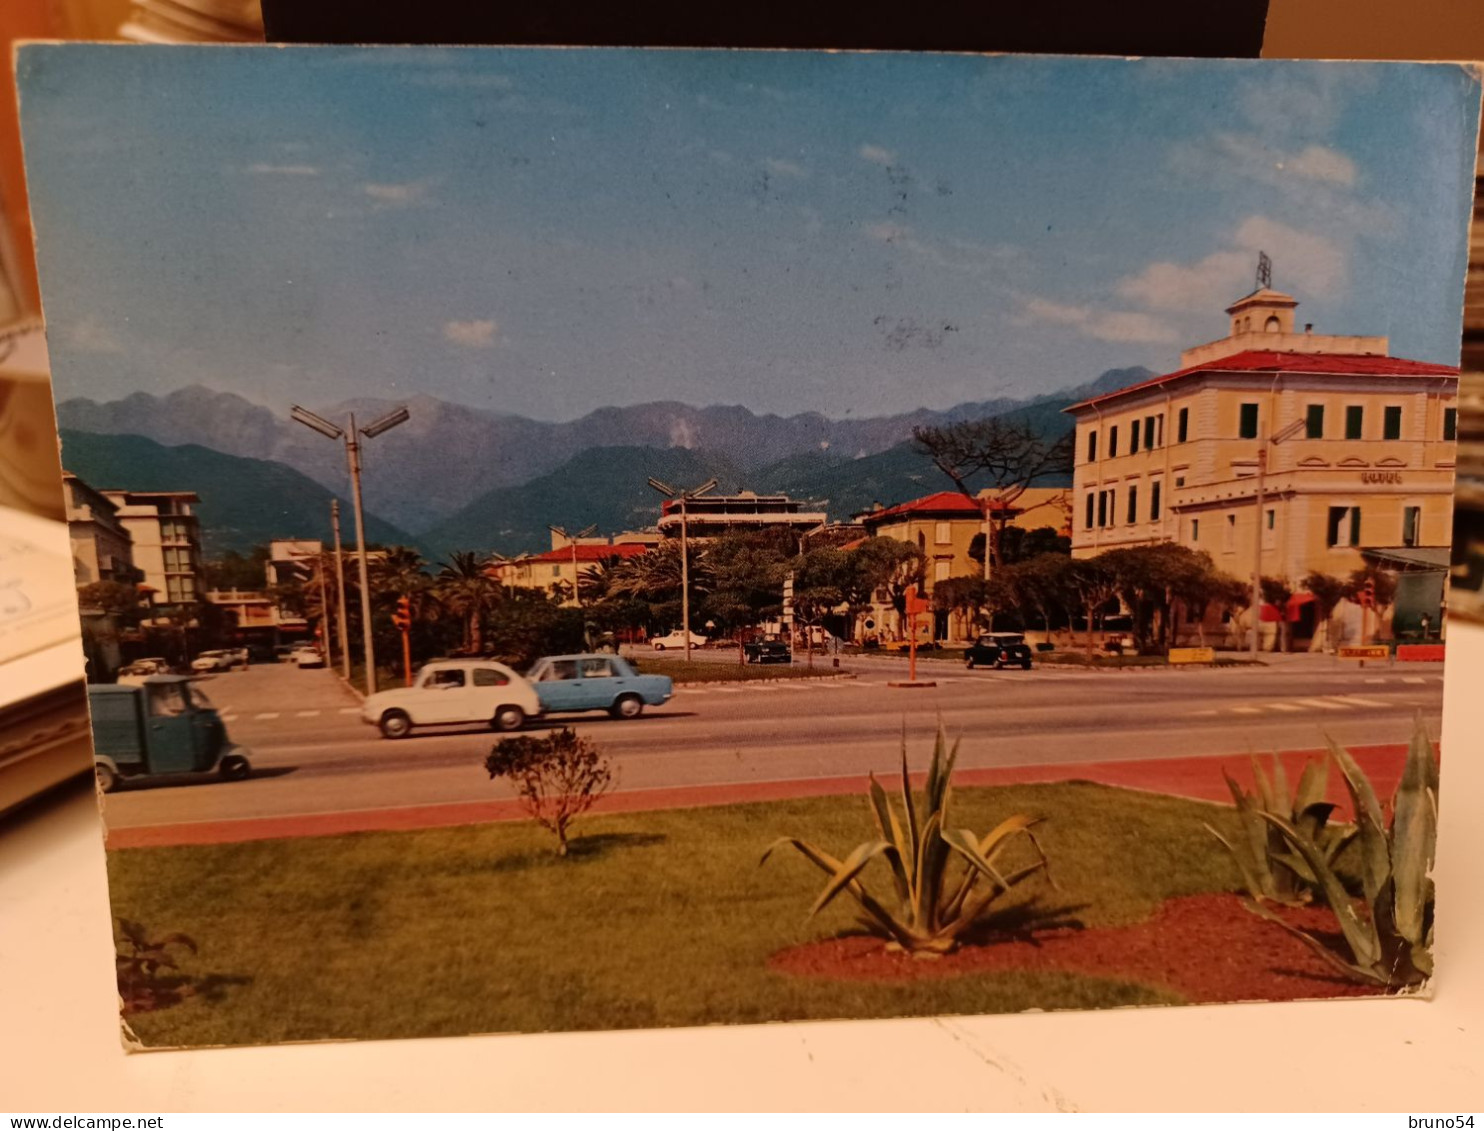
pixel 1198 778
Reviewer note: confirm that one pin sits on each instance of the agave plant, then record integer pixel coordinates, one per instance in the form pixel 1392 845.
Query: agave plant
pixel 935 903
pixel 1391 943
pixel 140 958
pixel 1271 869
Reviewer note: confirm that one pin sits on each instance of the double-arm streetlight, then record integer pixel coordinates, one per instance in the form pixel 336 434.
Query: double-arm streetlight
pixel 352 436
pixel 573 539
pixel 683 497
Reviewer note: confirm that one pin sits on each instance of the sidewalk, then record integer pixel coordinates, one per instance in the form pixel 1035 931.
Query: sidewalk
pixel 1196 778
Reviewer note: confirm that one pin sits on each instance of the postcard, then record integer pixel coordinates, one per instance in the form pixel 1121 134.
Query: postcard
pixel 597 539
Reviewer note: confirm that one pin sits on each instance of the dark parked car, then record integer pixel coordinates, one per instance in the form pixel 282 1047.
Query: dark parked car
pixel 998 650
pixel 767 650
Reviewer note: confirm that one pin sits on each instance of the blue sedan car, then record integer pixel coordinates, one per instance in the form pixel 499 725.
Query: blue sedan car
pixel 595 682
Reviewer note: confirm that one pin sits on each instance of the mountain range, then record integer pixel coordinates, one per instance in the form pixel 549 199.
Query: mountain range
pixel 457 477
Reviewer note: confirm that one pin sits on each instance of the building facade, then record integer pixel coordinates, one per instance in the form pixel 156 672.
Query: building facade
pixel 102 549
pixel 706 516
pixel 166 539
pixel 554 571
pixel 1278 453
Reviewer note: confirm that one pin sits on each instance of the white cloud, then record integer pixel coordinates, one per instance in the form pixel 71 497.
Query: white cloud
pixel 1105 326
pixel 1302 261
pixel 1249 155
pixel 395 194
pixel 90 336
pixel 779 167
pixel 477 333
pixel 877 155
pixel 262 169
pixel 1320 163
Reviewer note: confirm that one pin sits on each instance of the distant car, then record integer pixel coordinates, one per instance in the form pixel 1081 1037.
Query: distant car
pixel 309 658
pixel 770 649
pixel 676 639
pixel 453 693
pixel 999 650
pixel 157 665
pixel 134 675
pixel 591 682
pixel 216 660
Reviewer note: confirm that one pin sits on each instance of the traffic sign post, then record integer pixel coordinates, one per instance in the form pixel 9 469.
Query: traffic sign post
pixel 914 606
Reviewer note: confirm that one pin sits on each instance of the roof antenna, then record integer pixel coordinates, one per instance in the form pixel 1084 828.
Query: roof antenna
pixel 1264 270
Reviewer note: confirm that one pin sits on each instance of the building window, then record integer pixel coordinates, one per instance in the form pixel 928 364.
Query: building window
pixel 1112 441
pixel 1411 526
pixel 1195 530
pixel 1272 519
pixel 1092 446
pixel 921 540
pixel 1133 436
pixel 941 570
pixel 1154 501
pixel 1133 503
pixel 1247 426
pixel 1089 510
pixel 1269 531
pixel 556 571
pixel 1315 421
pixel 1391 422
pixel 1344 527
pixel 1182 426
pixel 1179 481
pixel 1148 432
pixel 1160 439
pixel 1112 506
pixel 1229 534
pixel 1102 509
pixel 944 534
pixel 1354 421
pixel 1272 325
pixel 1450 424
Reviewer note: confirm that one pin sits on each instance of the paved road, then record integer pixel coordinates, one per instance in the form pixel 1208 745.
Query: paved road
pixel 313 755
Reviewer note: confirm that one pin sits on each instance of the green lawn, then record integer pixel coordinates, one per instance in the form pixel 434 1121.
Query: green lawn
pixel 657 919
pixel 712 671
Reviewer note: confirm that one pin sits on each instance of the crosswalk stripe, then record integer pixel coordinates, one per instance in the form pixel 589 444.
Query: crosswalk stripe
pixel 1323 704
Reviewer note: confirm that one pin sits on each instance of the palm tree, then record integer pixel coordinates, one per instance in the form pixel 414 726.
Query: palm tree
pixel 465 588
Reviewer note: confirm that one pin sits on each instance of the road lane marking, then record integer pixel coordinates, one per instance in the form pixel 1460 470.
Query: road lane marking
pixel 1356 699
pixel 306 714
pixel 1203 714
pixel 1376 679
pixel 267 715
pixel 1284 707
pixel 1323 704
pixel 1414 679
pixel 229 718
pixel 1246 710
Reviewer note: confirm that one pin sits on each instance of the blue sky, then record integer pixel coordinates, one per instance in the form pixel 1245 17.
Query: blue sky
pixel 546 232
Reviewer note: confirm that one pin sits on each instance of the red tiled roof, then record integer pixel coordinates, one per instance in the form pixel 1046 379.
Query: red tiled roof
pixel 1276 361
pixel 944 502
pixel 586 553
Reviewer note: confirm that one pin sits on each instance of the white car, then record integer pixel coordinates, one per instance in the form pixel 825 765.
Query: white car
pixel 214 661
pixel 453 693
pixel 309 658
pixel 676 639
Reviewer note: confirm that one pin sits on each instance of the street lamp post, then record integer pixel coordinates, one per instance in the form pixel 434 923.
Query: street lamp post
pixel 585 532
pixel 340 589
pixel 684 497
pixel 1273 440
pixel 352 435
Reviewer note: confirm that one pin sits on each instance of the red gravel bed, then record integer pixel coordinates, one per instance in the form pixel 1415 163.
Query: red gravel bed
pixel 1206 948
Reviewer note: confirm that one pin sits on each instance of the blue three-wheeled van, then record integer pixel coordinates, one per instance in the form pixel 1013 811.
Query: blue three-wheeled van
pixel 165 725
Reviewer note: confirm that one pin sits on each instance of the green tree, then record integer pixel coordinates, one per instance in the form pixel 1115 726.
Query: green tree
pixel 1042 583
pixel 887 568
pixel 1092 585
pixel 1276 591
pixel 234 570
pixel 1005 454
pixel 464 587
pixel 1328 591
pixel 527 624
pixel 1019 545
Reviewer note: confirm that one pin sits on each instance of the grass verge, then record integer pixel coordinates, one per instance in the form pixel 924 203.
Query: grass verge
pixel 656 919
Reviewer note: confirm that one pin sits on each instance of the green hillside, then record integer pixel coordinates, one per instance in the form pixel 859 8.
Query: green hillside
pixel 606 487
pixel 244 502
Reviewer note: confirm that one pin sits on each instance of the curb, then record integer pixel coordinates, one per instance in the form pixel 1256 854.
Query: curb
pixel 805 679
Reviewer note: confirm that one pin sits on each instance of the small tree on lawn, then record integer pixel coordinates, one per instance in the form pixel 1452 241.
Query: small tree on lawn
pixel 1328 591
pixel 1092 585
pixel 557 778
